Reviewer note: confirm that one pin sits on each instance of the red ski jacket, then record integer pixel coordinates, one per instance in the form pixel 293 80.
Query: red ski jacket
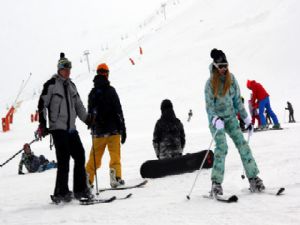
pixel 258 91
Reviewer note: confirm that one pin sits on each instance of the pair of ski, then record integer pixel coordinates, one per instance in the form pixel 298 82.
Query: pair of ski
pixel 234 198
pixel 85 201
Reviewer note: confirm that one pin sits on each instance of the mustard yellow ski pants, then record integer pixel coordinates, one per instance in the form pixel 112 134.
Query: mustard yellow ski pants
pixel 99 144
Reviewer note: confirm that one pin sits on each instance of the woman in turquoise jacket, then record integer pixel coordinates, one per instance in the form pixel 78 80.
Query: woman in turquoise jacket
pixel 223 103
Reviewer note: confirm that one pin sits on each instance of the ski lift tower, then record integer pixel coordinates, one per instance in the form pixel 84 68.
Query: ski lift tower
pixel 86 53
pixel 163 6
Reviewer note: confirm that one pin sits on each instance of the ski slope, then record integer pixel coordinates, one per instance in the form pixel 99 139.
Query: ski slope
pixel 260 40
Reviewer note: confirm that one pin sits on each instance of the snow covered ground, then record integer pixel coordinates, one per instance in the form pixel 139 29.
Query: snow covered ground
pixel 260 39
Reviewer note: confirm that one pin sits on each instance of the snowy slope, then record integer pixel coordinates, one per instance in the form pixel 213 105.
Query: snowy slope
pixel 261 42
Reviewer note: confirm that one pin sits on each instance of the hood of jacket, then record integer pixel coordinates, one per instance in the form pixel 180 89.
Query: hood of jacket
pixel 251 84
pixel 100 81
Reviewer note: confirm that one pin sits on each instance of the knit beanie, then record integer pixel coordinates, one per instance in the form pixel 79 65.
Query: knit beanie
pixel 63 62
pixel 218 56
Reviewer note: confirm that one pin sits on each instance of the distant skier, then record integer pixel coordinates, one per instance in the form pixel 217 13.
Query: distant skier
pixel 168 136
pixel 33 163
pixel 190 115
pixel 223 101
pixel 253 109
pixel 262 97
pixel 291 112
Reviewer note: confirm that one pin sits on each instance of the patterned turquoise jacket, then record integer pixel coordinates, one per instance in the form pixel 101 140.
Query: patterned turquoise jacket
pixel 226 107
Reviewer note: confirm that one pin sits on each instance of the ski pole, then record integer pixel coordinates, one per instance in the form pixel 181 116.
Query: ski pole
pixel 16 153
pixel 95 169
pixel 204 159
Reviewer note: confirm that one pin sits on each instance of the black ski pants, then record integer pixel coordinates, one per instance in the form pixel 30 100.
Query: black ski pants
pixel 67 145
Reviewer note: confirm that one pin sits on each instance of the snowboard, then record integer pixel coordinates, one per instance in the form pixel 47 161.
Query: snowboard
pixel 173 166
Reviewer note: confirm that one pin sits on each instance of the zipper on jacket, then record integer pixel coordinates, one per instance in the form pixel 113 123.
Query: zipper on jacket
pixel 68 105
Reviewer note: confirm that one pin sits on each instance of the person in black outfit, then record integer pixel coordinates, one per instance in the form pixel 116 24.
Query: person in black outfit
pixel 190 114
pixel 62 102
pixel 291 112
pixel 168 136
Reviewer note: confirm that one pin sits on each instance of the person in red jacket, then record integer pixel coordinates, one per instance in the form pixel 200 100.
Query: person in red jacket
pixel 261 96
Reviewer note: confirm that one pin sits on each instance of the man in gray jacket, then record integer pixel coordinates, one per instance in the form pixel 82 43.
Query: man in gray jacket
pixel 60 103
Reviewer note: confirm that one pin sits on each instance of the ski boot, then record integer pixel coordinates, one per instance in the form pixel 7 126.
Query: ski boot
pixel 62 198
pixel 216 189
pixel 256 184
pixel 262 127
pixel 115 181
pixel 276 126
pixel 86 194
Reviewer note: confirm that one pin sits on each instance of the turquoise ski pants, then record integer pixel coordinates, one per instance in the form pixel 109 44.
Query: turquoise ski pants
pixel 232 128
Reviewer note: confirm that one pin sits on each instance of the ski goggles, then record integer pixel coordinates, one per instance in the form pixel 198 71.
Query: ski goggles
pixel 65 65
pixel 103 71
pixel 220 65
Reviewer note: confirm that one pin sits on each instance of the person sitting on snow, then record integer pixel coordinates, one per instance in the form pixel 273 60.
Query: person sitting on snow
pixel 34 163
pixel 169 136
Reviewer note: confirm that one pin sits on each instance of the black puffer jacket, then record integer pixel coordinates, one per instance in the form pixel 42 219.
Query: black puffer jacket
pixel 104 103
pixel 169 136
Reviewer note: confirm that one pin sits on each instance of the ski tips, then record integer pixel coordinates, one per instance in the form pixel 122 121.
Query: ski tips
pixel 279 192
pixel 233 198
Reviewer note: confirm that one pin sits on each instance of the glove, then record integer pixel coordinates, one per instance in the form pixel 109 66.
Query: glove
pixel 42 131
pixel 218 123
pixel 249 125
pixel 123 136
pixel 21 173
pixel 90 120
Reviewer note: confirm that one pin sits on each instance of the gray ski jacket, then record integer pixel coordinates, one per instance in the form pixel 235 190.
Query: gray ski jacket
pixel 61 102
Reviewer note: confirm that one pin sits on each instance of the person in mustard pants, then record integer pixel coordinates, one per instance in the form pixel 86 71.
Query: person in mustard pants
pixel 108 127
